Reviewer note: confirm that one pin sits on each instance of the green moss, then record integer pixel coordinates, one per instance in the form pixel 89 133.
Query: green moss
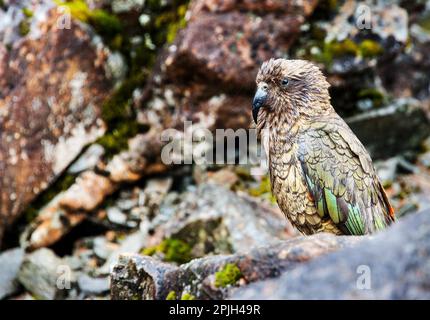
pixel 174 250
pixel 120 117
pixel 171 295
pixel 116 140
pixel 228 275
pixel 78 9
pixel 136 297
pixel 24 27
pixel 342 48
pixel 178 23
pixel 336 49
pixel 243 173
pixel 424 22
pixel 167 21
pixel 369 49
pixel 103 22
pixel 27 12
pixel 373 94
pixel 187 296
pixel 263 189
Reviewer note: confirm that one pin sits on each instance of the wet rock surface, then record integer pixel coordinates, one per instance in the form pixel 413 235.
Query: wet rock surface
pixel 393 264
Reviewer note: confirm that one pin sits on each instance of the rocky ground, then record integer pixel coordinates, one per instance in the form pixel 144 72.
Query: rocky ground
pixel 89 211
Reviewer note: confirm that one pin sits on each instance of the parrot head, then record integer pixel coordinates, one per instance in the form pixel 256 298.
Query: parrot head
pixel 289 87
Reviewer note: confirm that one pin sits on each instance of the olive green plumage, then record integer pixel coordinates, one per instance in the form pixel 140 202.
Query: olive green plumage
pixel 322 177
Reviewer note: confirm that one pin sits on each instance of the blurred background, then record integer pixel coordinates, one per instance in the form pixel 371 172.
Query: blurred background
pixel 87 86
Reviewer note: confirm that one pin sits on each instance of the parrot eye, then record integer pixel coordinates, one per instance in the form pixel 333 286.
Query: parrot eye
pixel 285 82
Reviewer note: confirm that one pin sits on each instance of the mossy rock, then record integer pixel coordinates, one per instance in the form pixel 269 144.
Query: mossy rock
pixel 24 27
pixel 370 48
pixel 377 97
pixel 173 250
pixel 227 276
pixel 187 296
pixel 171 295
pixel 27 12
pixel 103 22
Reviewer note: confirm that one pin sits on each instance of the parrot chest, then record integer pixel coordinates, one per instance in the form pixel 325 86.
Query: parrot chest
pixel 290 189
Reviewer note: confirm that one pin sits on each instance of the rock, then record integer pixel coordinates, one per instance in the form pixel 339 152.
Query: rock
pixel 133 243
pixel 10 262
pixel 132 281
pixel 387 170
pixel 119 6
pixel 142 277
pixel 362 272
pixel 208 220
pixel 424 159
pixel 88 191
pixel 141 158
pixel 103 248
pixel 385 20
pixel 53 83
pixel 90 285
pixel 414 192
pixel 45 275
pixel 211 219
pixel 88 160
pixel 398 128
pixel 245 35
pixel 115 215
pixel 50 225
pixel 224 177
pixel 71 207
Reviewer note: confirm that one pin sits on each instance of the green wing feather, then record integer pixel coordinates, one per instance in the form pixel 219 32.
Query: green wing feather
pixel 341 179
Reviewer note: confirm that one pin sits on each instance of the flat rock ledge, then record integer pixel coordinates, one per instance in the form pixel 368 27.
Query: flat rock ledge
pixel 137 277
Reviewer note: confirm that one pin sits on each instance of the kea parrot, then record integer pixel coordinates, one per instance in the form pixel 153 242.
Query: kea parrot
pixel 321 175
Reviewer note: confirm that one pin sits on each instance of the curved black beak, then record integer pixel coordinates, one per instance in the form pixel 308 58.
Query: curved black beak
pixel 258 101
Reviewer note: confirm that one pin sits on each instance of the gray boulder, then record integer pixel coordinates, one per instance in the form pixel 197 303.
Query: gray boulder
pixel 394 264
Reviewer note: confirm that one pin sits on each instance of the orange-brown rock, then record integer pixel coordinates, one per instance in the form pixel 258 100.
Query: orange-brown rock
pixel 52 83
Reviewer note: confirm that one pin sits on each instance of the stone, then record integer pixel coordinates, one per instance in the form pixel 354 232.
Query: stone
pixel 88 160
pixel 115 215
pixel 45 275
pixel 365 272
pixel 244 36
pixel 143 277
pixel 133 243
pixel 385 21
pixel 53 84
pixel 88 191
pixel 10 262
pixel 210 219
pixel 386 170
pixel 50 225
pixel 90 285
pixel 397 128
pixel 138 282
